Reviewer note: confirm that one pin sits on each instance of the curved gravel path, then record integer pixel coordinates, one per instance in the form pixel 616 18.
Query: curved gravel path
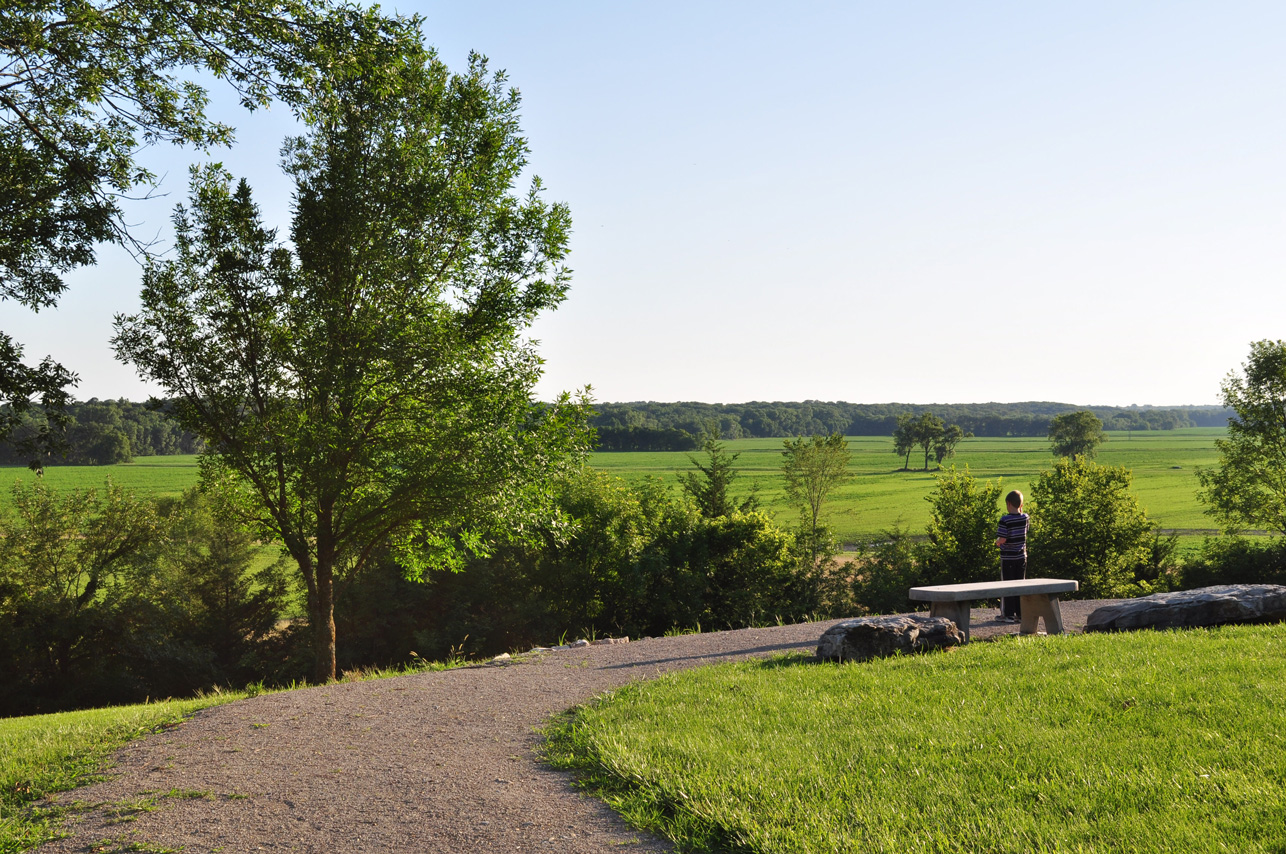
pixel 434 762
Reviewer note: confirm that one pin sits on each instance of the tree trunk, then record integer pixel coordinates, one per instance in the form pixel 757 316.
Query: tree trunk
pixel 323 620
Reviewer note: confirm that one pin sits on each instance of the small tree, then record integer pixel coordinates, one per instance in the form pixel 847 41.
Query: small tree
pixel 813 468
pixel 904 441
pixel 1248 487
pixel 945 446
pixel 1076 434
pixel 962 530
pixel 1087 525
pixel 711 488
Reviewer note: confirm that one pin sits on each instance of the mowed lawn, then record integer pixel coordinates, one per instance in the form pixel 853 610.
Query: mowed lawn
pixel 879 496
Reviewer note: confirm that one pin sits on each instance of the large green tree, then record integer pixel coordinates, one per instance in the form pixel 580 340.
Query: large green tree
pixel 1248 486
pixel 84 86
pixel 1076 434
pixel 904 440
pixel 371 385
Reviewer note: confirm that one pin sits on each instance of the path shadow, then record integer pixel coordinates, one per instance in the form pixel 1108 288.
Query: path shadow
pixel 721 654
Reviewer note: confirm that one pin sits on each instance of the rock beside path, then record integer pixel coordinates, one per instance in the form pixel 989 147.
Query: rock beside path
pixel 876 637
pixel 1206 606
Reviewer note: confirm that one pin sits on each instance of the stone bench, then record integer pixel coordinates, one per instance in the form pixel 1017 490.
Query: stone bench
pixel 1039 598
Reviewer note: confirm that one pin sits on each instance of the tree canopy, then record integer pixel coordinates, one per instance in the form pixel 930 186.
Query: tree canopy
pixel 84 86
pixel 370 386
pixel 1076 434
pixel 1248 486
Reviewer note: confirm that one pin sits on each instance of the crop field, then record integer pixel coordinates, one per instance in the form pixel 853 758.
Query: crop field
pixel 150 476
pixel 878 496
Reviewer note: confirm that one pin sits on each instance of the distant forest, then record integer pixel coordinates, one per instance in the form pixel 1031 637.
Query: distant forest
pixel 649 426
pixel 104 432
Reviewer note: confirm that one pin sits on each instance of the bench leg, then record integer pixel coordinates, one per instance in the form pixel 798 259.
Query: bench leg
pixel 957 612
pixel 1041 605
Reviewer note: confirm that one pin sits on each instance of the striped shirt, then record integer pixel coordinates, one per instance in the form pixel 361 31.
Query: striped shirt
pixel 1013 527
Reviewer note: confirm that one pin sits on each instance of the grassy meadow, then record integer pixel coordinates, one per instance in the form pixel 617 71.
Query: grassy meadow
pixel 879 496
pixel 1136 742
pixel 149 476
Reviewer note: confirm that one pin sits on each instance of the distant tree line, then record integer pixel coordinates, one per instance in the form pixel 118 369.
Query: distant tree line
pixel 652 426
pixel 103 432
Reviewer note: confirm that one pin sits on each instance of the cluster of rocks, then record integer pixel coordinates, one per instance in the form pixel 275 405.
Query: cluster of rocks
pixel 876 637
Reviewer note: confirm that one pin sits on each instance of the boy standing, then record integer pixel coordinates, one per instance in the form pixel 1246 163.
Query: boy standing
pixel 1012 540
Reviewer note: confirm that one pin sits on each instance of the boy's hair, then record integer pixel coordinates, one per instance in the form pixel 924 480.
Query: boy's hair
pixel 1014 499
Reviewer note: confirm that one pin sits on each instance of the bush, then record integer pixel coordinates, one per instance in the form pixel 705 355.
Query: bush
pixel 961 544
pixel 1236 560
pixel 886 571
pixel 1087 526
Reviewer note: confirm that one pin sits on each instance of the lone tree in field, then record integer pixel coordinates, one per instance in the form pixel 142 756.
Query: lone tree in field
pixel 370 387
pixel 930 434
pixel 1076 434
pixel 944 446
pixel 813 468
pixel 1248 487
pixel 904 440
pixel 84 87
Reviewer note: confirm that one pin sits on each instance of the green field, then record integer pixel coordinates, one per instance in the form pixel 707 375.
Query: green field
pixel 879 496
pixel 151 476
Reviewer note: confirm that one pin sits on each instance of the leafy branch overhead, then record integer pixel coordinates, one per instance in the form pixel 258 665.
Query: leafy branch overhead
pixel 85 85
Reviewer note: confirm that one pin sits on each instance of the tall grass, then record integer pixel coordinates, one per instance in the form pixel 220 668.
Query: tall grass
pixel 1141 742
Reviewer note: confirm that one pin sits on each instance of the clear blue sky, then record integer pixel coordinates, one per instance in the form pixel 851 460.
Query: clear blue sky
pixel 921 202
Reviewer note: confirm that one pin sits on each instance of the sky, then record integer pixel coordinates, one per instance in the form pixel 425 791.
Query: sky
pixel 921 202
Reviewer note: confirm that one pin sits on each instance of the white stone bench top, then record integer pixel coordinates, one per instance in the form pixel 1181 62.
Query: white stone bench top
pixel 989 589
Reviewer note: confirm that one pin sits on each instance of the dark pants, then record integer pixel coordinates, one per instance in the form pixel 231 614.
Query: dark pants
pixel 1012 569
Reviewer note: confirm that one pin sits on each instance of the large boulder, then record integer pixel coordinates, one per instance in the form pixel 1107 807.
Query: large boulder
pixel 1206 606
pixel 876 637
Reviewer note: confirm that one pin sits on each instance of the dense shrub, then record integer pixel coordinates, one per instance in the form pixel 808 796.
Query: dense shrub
pixel 1236 560
pixel 1087 525
pixel 103 600
pixel 961 534
pixel 885 572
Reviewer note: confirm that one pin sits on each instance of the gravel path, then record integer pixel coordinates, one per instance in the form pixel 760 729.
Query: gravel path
pixel 434 762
